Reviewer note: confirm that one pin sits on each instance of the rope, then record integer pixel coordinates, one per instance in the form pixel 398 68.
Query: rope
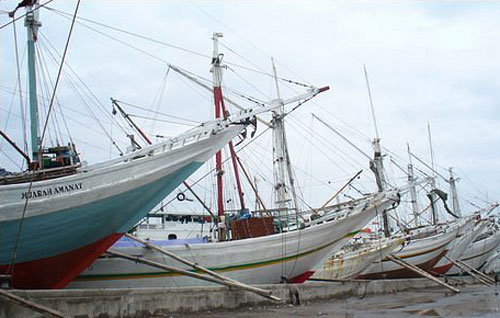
pixel 91 95
pixel 209 172
pixel 161 120
pixel 259 71
pixel 21 101
pixel 156 112
pixel 51 104
pixel 133 34
pixel 159 96
pixel 46 81
pixel 10 269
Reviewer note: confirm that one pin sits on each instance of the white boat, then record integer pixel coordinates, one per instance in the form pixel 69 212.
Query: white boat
pixel 61 214
pixel 288 256
pixel 479 251
pixel 347 264
pixel 466 235
pixel 422 252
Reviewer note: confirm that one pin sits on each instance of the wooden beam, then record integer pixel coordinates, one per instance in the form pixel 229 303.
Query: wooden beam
pixel 228 283
pixel 465 269
pixel 185 261
pixel 472 269
pixel 49 312
pixel 421 272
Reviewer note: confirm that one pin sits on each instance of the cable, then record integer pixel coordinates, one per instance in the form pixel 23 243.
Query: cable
pixel 58 77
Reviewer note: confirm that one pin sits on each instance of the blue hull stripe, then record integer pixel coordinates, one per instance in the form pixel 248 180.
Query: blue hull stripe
pixel 67 230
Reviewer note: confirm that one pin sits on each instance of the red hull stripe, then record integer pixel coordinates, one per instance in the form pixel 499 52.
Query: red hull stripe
pixel 442 269
pixel 52 272
pixel 403 272
pixel 301 278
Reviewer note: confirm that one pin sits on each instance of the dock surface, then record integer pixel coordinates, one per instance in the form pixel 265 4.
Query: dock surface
pixel 158 302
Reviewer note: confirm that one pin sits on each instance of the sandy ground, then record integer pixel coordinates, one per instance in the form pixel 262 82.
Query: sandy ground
pixel 473 301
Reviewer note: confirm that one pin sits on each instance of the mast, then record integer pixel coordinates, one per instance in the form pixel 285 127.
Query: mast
pixel 281 157
pixel 433 197
pixel 32 24
pixel 376 165
pixel 413 191
pixel 220 112
pixel 453 188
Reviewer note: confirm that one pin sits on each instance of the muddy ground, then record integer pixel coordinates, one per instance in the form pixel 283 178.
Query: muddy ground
pixel 473 301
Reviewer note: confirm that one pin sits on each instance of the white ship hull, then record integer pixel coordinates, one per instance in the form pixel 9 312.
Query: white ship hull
pixel 268 259
pixel 424 253
pixel 348 265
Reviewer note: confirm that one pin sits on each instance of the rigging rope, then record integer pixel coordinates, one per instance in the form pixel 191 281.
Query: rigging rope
pixel 58 78
pixel 21 100
pixel 58 103
pixel 162 120
pixel 259 71
pixel 16 163
pixel 45 80
pixel 157 113
pixel 91 95
pixel 159 96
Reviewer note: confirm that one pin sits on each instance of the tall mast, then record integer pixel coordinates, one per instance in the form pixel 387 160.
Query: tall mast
pixel 376 165
pixel 32 24
pixel 453 188
pixel 220 112
pixel 433 196
pixel 281 157
pixel 413 191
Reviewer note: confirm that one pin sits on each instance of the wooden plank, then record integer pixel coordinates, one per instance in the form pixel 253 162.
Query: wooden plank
pixel 465 269
pixel 476 271
pixel 249 288
pixel 421 272
pixel 49 312
pixel 193 265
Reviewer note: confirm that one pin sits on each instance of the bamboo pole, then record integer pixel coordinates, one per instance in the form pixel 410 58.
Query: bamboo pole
pixel 341 189
pixel 465 269
pixel 258 291
pixel 421 272
pixel 189 263
pixel 185 261
pixel 49 312
pixel 472 269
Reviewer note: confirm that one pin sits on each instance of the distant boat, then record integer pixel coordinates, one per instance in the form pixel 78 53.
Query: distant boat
pixel 350 262
pixel 465 236
pixel 422 252
pixel 59 216
pixel 480 250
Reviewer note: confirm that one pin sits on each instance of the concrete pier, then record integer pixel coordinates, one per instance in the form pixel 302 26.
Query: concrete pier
pixel 148 302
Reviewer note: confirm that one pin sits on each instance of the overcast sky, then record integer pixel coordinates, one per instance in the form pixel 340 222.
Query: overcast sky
pixel 428 62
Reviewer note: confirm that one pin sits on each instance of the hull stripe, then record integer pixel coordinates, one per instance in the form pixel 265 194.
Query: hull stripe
pixel 417 253
pixel 218 269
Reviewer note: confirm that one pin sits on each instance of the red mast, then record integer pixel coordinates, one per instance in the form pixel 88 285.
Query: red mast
pixel 220 112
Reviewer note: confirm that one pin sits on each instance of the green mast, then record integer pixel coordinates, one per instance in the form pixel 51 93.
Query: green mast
pixel 32 24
